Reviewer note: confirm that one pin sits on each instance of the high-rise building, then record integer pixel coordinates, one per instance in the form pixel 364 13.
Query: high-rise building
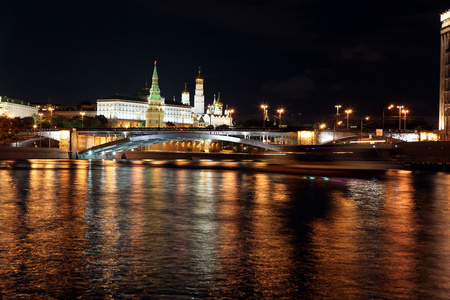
pixel 444 85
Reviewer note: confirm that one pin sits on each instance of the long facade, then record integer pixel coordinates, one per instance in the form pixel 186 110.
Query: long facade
pixel 150 108
pixel 444 86
pixel 16 108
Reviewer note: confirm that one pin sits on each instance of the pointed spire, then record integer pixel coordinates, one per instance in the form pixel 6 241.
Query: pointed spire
pixel 199 73
pixel 155 73
pixel 154 90
pixel 218 102
pixel 185 89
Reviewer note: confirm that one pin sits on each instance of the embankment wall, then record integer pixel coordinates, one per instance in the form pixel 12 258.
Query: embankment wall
pixel 30 153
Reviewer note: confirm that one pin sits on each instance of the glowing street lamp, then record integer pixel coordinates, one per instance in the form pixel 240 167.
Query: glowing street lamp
pixel 211 112
pixel 82 113
pixel 51 109
pixel 264 108
pixel 400 116
pixel 337 113
pixel 159 116
pixel 405 112
pixel 280 111
pixel 389 107
pixel 348 112
pixel 111 108
pixel 40 129
pixel 230 113
pixel 322 126
pixel 367 119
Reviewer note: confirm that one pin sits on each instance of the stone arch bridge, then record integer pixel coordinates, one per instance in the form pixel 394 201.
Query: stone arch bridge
pixel 107 143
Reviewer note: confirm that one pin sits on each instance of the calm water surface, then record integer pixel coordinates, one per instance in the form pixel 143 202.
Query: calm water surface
pixel 80 229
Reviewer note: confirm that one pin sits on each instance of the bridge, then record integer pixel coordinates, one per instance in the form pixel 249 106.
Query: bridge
pixel 109 142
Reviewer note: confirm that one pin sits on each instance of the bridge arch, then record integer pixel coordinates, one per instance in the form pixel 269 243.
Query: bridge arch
pixel 108 150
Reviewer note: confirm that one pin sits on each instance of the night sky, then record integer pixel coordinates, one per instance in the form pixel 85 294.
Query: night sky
pixel 305 56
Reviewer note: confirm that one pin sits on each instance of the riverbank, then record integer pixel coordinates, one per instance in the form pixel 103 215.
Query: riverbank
pixel 11 153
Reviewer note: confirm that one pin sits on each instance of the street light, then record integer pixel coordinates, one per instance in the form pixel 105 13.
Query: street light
pixel 367 119
pixel 264 108
pixel 405 112
pixel 159 117
pixel 337 113
pixel 400 116
pixel 389 107
pixel 230 113
pixel 348 112
pixel 51 109
pixel 82 113
pixel 280 111
pixel 211 112
pixel 40 129
pixel 111 108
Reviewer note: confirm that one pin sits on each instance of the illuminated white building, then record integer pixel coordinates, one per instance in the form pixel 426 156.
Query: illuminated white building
pixel 122 107
pixel 150 108
pixel 444 86
pixel 199 97
pixel 16 108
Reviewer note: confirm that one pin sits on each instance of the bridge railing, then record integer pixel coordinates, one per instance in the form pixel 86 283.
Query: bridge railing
pixel 183 129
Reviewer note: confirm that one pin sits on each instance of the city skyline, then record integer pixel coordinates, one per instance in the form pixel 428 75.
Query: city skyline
pixel 303 56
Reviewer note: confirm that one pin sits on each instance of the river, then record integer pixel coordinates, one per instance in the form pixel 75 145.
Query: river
pixel 103 229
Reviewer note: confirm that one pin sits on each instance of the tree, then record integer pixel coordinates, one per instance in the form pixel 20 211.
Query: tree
pixel 8 129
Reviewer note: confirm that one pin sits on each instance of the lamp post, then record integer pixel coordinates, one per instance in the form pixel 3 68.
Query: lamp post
pixel 82 113
pixel 40 129
pixel 280 111
pixel 337 113
pixel 367 119
pixel 230 113
pixel 264 108
pixel 405 112
pixel 51 109
pixel 400 116
pixel 348 112
pixel 159 117
pixel 389 107
pixel 211 112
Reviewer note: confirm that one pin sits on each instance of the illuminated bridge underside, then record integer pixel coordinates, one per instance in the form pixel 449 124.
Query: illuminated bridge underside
pixel 106 150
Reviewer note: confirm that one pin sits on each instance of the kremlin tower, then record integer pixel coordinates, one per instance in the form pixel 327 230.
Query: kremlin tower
pixel 199 97
pixel 154 116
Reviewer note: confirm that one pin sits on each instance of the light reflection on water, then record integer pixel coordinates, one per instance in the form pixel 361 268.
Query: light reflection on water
pixel 103 229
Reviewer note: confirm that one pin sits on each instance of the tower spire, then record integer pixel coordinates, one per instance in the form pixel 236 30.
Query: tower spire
pixel 155 92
